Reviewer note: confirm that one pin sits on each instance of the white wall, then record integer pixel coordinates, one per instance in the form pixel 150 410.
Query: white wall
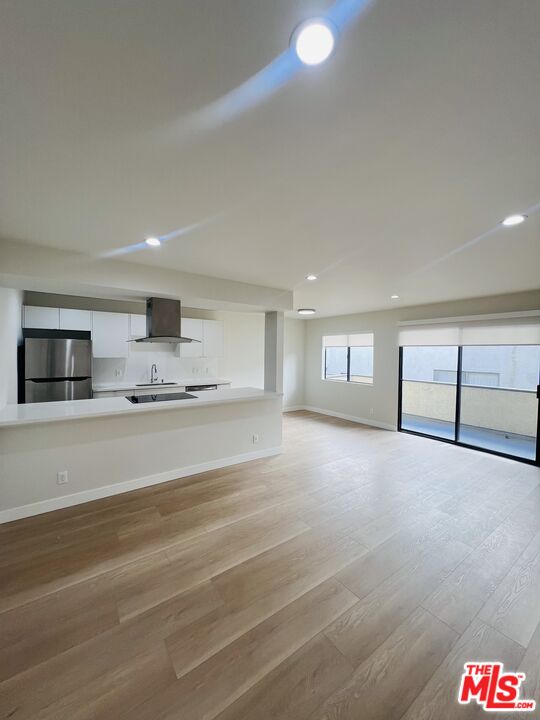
pixel 377 403
pixel 137 367
pixel 243 361
pixel 108 455
pixel 10 329
pixel 293 363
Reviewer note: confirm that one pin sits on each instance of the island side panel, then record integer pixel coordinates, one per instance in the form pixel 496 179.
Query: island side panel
pixel 108 455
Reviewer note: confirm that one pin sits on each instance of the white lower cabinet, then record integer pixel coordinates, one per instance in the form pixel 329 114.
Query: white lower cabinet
pixel 156 389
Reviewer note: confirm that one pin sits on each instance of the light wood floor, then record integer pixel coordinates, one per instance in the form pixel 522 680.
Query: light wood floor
pixel 350 577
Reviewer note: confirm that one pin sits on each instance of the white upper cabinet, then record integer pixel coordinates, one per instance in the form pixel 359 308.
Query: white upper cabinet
pixel 110 335
pixel 43 318
pixel 112 331
pixel 46 318
pixel 213 338
pixel 75 319
pixel 192 328
pixel 137 326
pixel 210 336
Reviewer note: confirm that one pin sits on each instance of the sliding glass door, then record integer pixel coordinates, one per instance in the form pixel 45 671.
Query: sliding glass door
pixel 499 407
pixel 429 390
pixel 481 396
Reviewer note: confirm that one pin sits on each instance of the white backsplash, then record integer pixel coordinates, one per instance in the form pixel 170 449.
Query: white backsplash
pixel 137 367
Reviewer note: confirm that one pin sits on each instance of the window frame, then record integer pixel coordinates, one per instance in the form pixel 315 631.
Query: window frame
pixel 347 380
pixel 457 423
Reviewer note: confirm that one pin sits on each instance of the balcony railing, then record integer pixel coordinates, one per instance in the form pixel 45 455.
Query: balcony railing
pixel 493 408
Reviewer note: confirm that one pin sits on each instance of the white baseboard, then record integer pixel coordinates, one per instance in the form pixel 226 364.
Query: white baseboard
pixel 44 506
pixel 293 408
pixel 351 418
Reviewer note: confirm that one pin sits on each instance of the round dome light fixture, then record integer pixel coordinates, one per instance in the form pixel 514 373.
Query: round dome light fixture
pixel 153 241
pixel 311 277
pixel 306 311
pixel 314 40
pixel 512 220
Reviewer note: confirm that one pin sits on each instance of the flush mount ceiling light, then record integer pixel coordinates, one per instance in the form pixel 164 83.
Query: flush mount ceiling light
pixel 512 220
pixel 306 311
pixel 153 241
pixel 314 40
pixel 311 277
pixel 394 297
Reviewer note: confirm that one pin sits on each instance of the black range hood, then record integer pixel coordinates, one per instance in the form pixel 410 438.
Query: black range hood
pixel 164 322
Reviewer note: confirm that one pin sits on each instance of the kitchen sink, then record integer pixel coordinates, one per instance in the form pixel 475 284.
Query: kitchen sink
pixel 135 399
pixel 156 384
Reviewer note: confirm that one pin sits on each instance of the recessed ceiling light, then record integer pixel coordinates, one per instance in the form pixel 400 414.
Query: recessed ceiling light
pixel 512 220
pixel 314 41
pixel 306 311
pixel 153 241
pixel 394 297
pixel 311 277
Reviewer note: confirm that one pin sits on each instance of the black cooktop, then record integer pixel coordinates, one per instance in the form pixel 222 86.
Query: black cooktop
pixel 159 398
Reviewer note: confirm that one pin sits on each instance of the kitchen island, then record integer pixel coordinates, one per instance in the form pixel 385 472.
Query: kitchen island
pixel 109 445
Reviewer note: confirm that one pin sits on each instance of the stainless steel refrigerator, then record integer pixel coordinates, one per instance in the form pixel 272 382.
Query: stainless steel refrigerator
pixel 57 365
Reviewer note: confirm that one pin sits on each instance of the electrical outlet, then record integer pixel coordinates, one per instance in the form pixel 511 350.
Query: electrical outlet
pixel 371 411
pixel 255 438
pixel 62 477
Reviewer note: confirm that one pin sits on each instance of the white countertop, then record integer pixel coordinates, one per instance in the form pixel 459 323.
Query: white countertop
pixel 181 382
pixel 100 407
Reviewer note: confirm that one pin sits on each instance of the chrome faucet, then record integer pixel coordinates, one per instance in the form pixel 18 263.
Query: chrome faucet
pixel 152 371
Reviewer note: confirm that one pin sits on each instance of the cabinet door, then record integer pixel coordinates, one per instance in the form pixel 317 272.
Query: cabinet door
pixel 156 389
pixel 213 338
pixel 44 318
pixel 110 335
pixel 75 319
pixel 192 328
pixel 137 326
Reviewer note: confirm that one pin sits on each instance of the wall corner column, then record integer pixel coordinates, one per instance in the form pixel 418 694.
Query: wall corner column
pixel 273 351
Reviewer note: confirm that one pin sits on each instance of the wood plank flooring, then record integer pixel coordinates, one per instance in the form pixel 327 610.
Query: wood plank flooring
pixel 350 577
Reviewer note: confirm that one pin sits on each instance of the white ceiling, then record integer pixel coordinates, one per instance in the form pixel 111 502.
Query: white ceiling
pixel 418 136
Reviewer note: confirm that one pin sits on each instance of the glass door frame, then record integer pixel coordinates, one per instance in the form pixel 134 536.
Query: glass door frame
pixel 457 420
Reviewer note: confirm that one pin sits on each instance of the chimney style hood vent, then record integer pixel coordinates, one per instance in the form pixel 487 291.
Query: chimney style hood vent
pixel 164 322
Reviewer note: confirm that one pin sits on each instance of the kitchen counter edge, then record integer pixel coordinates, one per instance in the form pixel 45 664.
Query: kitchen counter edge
pixel 36 413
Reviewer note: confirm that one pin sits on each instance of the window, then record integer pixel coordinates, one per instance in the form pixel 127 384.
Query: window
pixel 446 376
pixel 348 358
pixel 487 379
pixel 336 364
pixel 481 396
